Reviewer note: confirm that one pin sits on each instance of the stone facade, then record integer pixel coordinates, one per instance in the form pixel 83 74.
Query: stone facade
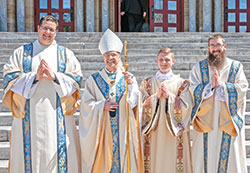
pixel 98 15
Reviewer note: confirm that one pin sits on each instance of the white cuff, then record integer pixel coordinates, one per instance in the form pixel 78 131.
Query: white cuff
pixel 220 93
pixel 133 94
pixel 66 87
pixel 209 91
pixel 24 86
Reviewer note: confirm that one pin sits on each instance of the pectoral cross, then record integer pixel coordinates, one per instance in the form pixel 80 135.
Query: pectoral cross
pixel 112 94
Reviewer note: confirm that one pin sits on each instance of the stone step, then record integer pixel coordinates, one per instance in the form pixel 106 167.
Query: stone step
pixel 4 133
pixel 134 34
pixel 152 52
pixel 96 36
pixel 4 150
pixel 4 166
pixel 131 45
pixel 142 58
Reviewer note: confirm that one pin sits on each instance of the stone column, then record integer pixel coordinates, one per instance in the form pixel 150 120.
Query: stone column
pixel 97 15
pixel 11 13
pixel 29 16
pixel 20 10
pixel 112 15
pixel 105 15
pixel 79 16
pixel 192 15
pixel 90 15
pixel 207 15
pixel 217 15
pixel 3 16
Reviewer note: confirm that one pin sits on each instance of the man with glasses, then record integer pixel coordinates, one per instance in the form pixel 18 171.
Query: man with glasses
pixel 219 87
pixel 41 88
pixel 102 124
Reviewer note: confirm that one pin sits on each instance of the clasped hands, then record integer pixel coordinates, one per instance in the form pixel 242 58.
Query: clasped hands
pixel 163 92
pixel 215 79
pixel 44 71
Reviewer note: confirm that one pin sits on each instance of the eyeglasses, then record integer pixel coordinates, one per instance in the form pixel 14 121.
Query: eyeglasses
pixel 44 28
pixel 216 45
pixel 111 55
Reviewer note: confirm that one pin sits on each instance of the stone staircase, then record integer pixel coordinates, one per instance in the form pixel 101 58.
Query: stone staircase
pixel 189 48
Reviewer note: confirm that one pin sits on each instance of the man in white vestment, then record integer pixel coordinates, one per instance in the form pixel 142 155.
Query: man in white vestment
pixel 41 88
pixel 219 87
pixel 102 124
pixel 167 105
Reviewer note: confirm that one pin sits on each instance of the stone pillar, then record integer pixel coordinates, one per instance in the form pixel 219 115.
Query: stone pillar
pixel 11 13
pixel 97 15
pixel 20 10
pixel 105 15
pixel 207 13
pixel 192 15
pixel 29 16
pixel 79 16
pixel 217 15
pixel 90 15
pixel 3 16
pixel 112 15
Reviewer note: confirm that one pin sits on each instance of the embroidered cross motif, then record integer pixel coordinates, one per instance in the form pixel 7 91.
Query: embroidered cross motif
pixel 112 94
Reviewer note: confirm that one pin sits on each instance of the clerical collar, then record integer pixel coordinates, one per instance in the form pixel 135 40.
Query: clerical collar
pixel 164 76
pixel 38 43
pixel 110 73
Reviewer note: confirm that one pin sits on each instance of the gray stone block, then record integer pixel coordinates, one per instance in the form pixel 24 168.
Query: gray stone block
pixel 4 151
pixel 4 136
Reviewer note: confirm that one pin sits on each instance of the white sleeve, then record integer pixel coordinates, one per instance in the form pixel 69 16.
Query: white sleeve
pixel 209 92
pixel 133 92
pixel 220 93
pixel 24 86
pixel 66 86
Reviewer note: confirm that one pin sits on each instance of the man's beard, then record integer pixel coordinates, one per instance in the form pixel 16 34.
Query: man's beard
pixel 218 60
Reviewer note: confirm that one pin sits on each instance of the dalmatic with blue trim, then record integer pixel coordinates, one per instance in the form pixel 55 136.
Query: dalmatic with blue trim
pixel 103 137
pixel 40 126
pixel 218 124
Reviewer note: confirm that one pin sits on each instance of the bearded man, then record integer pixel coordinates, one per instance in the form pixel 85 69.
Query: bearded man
pixel 218 85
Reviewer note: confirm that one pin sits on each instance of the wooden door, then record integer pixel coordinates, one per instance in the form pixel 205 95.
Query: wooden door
pixel 237 16
pixel 166 15
pixel 62 10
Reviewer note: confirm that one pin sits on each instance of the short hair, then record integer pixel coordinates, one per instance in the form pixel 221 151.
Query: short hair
pixel 49 18
pixel 216 36
pixel 166 50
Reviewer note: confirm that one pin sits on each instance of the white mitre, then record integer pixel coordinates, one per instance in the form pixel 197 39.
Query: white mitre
pixel 110 42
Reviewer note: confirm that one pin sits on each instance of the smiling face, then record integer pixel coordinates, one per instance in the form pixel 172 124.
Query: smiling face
pixel 216 46
pixel 47 32
pixel 217 52
pixel 111 60
pixel 165 62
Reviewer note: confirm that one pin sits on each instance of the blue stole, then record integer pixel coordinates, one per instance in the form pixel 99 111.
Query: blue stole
pixel 120 89
pixel 61 131
pixel 226 138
